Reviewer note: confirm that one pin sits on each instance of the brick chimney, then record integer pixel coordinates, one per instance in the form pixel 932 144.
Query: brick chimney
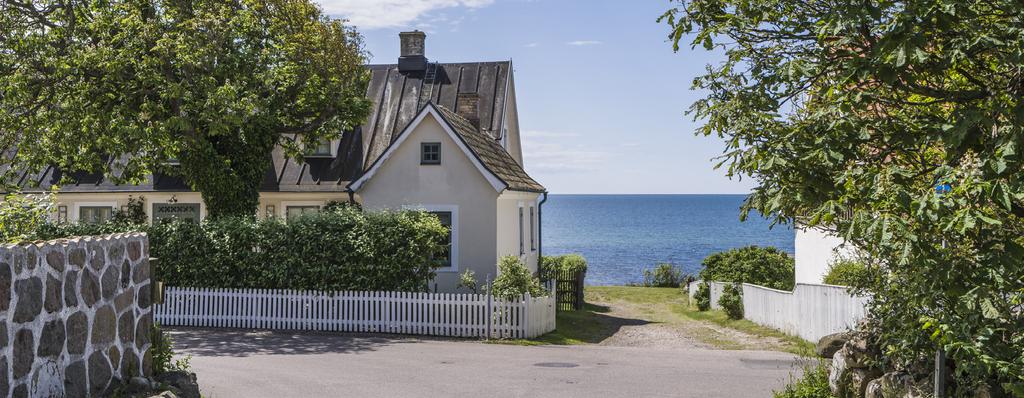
pixel 413 56
pixel 468 106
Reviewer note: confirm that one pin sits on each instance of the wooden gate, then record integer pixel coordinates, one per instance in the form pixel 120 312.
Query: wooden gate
pixel 569 288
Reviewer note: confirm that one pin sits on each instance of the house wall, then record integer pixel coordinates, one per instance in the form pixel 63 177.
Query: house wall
pixel 279 200
pixel 815 251
pixel 455 185
pixel 509 233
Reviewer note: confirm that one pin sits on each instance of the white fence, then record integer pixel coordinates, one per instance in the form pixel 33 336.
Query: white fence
pixel 809 311
pixel 436 314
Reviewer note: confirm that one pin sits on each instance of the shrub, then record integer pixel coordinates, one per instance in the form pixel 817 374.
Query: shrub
pixel 467 280
pixel 813 384
pixel 514 280
pixel 21 215
pixel 163 353
pixel 847 273
pixel 340 249
pixel 564 263
pixel 732 300
pixel 765 266
pixel 703 296
pixel 664 275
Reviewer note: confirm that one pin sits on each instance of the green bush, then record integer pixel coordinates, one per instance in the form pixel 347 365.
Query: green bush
pixel 514 280
pixel 340 249
pixel 563 263
pixel 765 266
pixel 847 273
pixel 813 384
pixel 732 300
pixel 665 275
pixel 21 215
pixel 703 296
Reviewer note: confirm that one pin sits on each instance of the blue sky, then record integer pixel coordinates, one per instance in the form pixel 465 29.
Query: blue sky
pixel 601 94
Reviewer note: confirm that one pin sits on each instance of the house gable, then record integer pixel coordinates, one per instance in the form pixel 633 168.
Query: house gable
pixel 429 113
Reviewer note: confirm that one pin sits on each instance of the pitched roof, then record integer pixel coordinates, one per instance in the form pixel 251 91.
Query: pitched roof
pixel 494 157
pixel 397 97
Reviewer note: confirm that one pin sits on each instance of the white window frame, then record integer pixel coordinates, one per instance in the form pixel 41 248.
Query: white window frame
pixel 522 230
pixel 454 253
pixel 76 209
pixel 332 145
pixel 533 229
pixel 283 208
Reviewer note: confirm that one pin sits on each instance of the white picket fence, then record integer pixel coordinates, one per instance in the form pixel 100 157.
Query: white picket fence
pixel 809 311
pixel 435 314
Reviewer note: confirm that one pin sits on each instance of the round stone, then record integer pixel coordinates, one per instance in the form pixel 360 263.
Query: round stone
pixel 54 301
pixel 30 299
pixel 104 324
pixel 77 333
pixel 51 339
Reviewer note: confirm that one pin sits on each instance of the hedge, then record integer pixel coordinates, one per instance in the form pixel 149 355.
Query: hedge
pixel 340 249
pixel 765 266
pixel 563 263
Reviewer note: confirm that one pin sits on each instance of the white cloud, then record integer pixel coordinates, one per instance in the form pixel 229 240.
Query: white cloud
pixel 553 158
pixel 532 45
pixel 547 134
pixel 584 43
pixel 371 14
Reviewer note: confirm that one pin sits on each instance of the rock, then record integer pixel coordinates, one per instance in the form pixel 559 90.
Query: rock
pixel 20 391
pixel 30 299
pixel 138 384
pixel 129 363
pixel 115 252
pixel 164 394
pixel 47 380
pixel 124 299
pixel 55 259
pixel 110 281
pixel 23 353
pixel 184 381
pixel 77 328
pixel 897 385
pixel 141 272
pixel 99 256
pixel 126 274
pixel 75 382
pixel 5 286
pixel 143 328
pixel 134 250
pixel 104 325
pixel 51 339
pixel 5 381
pixel 54 292
pixel 844 375
pixel 99 373
pixel 3 337
pixel 145 298
pixel 828 345
pixel 70 295
pixel 114 355
pixel 126 328
pixel 76 258
pixel 90 288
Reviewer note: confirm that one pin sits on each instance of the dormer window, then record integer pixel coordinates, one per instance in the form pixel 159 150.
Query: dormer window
pixel 430 153
pixel 322 148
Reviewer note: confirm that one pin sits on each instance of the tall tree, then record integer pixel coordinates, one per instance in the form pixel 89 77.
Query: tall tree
pixel 848 114
pixel 125 86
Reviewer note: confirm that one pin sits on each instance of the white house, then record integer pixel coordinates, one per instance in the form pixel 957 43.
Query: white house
pixel 443 137
pixel 815 250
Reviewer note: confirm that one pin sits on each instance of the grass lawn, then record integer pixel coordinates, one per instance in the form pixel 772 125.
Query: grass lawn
pixel 611 307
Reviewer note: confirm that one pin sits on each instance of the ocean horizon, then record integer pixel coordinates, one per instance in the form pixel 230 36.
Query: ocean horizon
pixel 621 235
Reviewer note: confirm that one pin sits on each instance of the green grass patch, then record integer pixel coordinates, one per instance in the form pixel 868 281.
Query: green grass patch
pixel 793 344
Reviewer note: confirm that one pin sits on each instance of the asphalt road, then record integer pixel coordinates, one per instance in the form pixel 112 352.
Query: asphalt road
pixel 232 363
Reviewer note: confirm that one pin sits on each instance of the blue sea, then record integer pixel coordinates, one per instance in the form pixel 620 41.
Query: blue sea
pixel 621 235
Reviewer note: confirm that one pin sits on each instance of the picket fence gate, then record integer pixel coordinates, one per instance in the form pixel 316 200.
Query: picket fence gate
pixel 435 314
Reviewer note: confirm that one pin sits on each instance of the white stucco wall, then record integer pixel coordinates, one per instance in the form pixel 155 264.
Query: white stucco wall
pixel 508 232
pixel 402 182
pixel 815 251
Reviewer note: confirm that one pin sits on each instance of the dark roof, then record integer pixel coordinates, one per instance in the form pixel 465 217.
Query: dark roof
pixel 396 99
pixel 494 157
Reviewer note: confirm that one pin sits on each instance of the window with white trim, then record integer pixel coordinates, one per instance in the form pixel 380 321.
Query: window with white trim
pixel 292 212
pixel 322 148
pixel 533 231
pixel 95 214
pixel 521 250
pixel 445 256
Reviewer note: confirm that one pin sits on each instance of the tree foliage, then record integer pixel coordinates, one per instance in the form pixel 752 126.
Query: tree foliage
pixel 123 87
pixel 765 266
pixel 848 114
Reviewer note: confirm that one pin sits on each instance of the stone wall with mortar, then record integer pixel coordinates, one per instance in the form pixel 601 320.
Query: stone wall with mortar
pixel 77 315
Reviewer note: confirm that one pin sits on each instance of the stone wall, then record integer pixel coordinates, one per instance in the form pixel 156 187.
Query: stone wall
pixel 77 315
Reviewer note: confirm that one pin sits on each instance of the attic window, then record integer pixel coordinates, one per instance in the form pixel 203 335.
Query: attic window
pixel 430 153
pixel 322 148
